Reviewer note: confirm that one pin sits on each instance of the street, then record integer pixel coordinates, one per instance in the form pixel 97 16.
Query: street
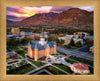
pixel 76 53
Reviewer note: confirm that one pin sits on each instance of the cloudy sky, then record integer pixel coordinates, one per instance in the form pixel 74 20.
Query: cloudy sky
pixel 18 13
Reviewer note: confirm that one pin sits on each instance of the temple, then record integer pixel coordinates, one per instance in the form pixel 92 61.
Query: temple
pixel 41 48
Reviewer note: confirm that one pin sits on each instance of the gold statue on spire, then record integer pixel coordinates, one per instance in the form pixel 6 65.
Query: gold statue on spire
pixel 42 29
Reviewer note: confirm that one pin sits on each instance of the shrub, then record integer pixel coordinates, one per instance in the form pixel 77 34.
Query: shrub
pixel 78 44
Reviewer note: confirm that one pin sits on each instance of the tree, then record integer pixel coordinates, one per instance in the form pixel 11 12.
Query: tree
pixel 69 46
pixel 62 41
pixel 12 42
pixel 25 40
pixel 52 38
pixel 78 44
pixel 72 42
pixel 89 41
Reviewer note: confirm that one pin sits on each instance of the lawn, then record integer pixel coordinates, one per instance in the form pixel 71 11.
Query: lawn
pixel 71 48
pixel 38 64
pixel 21 52
pixel 21 70
pixel 65 68
pixel 54 70
pixel 70 61
pixel 13 48
pixel 42 58
pixel 82 61
pixel 91 70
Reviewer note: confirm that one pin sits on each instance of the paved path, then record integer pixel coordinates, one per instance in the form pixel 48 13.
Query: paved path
pixel 31 63
pixel 37 69
pixel 43 71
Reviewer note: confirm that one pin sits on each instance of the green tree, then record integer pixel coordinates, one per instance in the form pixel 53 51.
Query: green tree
pixel 12 42
pixel 62 41
pixel 68 46
pixel 89 41
pixel 72 42
pixel 78 44
pixel 25 40
pixel 52 38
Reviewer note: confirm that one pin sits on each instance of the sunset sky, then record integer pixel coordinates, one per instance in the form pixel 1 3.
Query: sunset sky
pixel 18 13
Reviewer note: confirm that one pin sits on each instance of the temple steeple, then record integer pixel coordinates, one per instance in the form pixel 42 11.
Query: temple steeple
pixel 54 43
pixel 42 36
pixel 36 46
pixel 29 44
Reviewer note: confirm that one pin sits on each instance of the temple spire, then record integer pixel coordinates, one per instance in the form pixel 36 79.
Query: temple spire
pixel 42 35
pixel 54 43
pixel 36 46
pixel 29 44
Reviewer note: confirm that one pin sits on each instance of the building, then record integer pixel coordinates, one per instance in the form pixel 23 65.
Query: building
pixel 89 37
pixel 68 38
pixel 26 32
pixel 41 48
pixel 80 34
pixel 46 34
pixel 91 49
pixel 79 68
pixel 15 31
pixel 14 36
pixel 10 53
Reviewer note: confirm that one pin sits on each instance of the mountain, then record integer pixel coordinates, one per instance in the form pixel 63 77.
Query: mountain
pixel 8 21
pixel 38 19
pixel 72 18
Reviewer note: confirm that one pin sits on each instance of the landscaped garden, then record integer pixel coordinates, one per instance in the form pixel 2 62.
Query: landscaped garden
pixel 21 52
pixel 82 61
pixel 65 68
pixel 42 58
pixel 38 64
pixel 54 70
pixel 21 70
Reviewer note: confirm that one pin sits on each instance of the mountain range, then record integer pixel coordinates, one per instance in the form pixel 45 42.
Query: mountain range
pixel 72 18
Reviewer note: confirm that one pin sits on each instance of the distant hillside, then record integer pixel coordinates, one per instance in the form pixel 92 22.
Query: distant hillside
pixel 72 18
pixel 8 21
pixel 38 19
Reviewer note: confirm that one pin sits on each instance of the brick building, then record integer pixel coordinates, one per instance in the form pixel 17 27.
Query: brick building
pixel 15 31
pixel 41 48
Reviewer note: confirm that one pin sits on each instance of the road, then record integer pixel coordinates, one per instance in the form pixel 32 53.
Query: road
pixel 76 53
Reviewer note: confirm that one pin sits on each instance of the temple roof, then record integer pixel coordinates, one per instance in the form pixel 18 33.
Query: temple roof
pixel 41 47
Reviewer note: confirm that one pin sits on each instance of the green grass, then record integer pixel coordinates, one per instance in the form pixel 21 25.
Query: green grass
pixel 38 64
pixel 14 48
pixel 42 58
pixel 21 70
pixel 65 68
pixel 82 61
pixel 54 70
pixel 91 70
pixel 21 52
pixel 70 61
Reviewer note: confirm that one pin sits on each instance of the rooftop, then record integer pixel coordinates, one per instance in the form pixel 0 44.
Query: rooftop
pixel 41 47
pixel 89 36
pixel 80 66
